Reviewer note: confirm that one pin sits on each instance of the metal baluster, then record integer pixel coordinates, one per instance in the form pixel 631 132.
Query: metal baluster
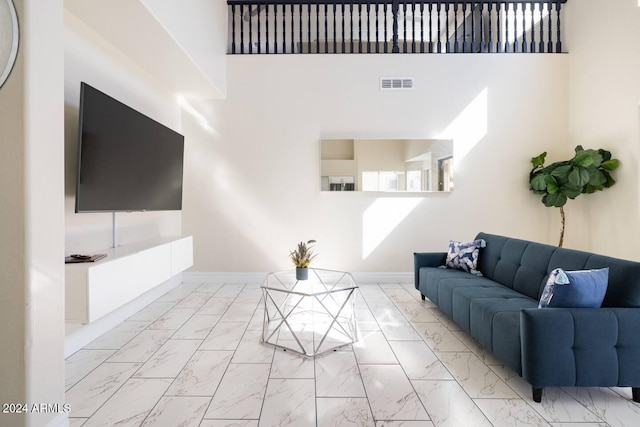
pixel 241 28
pixel 498 27
pixel 404 27
pixel 386 50
pixel 293 30
pixel 301 39
pixel 515 47
pixel 284 28
pixel 481 24
pixel 490 41
pixel 446 14
pixel 343 44
pixel 413 28
pixel 455 29
pixel 359 28
pixel 309 27
pixel 394 12
pixel 275 28
pixel 439 42
pixel 421 27
pixel 351 28
pixel 326 28
pixel 377 30
pixel 233 28
pixel 317 27
pixel 541 10
pixel 506 34
pixel 559 39
pixel 430 28
pixel 335 37
pixel 464 27
pixel 250 30
pixel 533 30
pixel 368 28
pixel 473 28
pixel 524 27
pixel 258 18
pixel 266 14
pixel 550 43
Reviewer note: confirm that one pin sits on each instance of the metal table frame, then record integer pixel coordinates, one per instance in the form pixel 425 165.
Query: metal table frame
pixel 281 313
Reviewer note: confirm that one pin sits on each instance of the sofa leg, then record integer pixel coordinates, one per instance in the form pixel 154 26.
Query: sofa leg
pixel 635 393
pixel 423 297
pixel 537 394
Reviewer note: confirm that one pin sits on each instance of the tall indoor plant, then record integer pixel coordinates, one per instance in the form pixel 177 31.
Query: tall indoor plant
pixel 586 172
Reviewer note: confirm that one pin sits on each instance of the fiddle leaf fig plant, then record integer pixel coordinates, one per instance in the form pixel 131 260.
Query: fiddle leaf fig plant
pixel 586 172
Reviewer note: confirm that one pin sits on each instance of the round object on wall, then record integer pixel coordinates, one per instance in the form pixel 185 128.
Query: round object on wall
pixel 9 38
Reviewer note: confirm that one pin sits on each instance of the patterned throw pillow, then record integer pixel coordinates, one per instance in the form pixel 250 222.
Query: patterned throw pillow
pixel 464 256
pixel 575 289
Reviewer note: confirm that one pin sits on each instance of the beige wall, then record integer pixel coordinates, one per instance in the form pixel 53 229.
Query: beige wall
pixel 604 89
pixel 253 185
pixel 90 58
pixel 32 218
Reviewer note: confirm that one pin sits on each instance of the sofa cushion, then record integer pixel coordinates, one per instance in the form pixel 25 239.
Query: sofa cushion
pixel 463 295
pixel 431 276
pixel 464 256
pixel 506 339
pixel 483 310
pixel 624 281
pixel 575 289
pixel 447 286
pixel 515 263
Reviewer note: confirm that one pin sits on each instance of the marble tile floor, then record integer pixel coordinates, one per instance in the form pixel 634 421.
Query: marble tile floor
pixel 193 358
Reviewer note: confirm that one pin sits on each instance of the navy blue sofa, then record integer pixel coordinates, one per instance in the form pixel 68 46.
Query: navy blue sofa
pixel 548 347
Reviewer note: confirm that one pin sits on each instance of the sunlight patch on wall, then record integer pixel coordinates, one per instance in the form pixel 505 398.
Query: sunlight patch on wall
pixel 469 127
pixel 381 218
pixel 202 120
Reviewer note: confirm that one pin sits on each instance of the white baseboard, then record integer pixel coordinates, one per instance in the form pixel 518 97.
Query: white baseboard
pixel 374 278
pixel 362 278
pixel 222 277
pixel 84 334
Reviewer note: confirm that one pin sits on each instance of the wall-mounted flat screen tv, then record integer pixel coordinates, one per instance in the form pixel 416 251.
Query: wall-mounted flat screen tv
pixel 126 160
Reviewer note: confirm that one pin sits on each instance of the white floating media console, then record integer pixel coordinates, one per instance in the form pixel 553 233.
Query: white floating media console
pixel 96 289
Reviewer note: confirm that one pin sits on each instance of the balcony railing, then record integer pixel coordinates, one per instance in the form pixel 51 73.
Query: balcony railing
pixel 341 26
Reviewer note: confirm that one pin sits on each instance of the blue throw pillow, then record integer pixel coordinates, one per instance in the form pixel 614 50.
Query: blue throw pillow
pixel 464 256
pixel 575 289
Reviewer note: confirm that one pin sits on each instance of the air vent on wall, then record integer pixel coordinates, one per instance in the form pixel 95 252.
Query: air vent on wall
pixel 396 83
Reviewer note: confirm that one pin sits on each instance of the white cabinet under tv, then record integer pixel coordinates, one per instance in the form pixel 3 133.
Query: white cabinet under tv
pixel 96 289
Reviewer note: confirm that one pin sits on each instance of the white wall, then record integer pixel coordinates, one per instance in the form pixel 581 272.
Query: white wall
pixel 604 88
pixel 32 218
pixel 200 27
pixel 90 58
pixel 252 187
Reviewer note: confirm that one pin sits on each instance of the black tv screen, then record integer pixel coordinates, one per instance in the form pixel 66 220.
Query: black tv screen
pixel 126 160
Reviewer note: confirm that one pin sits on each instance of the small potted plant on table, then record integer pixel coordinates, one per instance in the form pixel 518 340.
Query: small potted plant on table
pixel 301 258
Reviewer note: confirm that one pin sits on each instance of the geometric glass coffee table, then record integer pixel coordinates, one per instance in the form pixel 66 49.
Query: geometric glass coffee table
pixel 312 316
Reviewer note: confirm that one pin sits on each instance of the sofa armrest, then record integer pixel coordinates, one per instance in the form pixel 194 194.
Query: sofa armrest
pixel 586 347
pixel 426 259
